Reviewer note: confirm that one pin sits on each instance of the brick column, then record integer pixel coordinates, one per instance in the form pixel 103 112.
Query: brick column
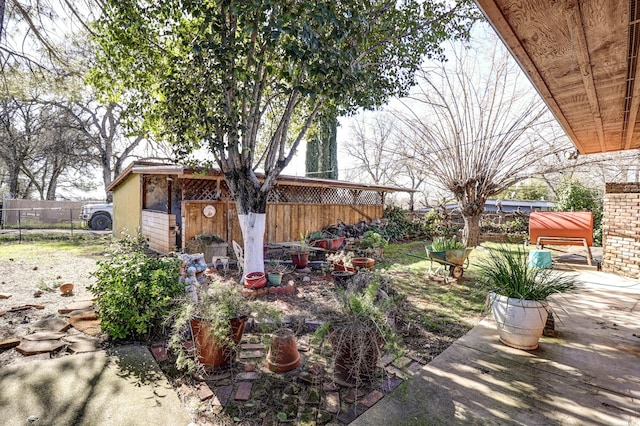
pixel 621 229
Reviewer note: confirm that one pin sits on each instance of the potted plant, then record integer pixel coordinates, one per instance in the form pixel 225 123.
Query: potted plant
pixel 374 243
pixel 300 253
pixel 341 261
pixel 212 245
pixel 326 240
pixel 358 334
pixel 214 321
pixel 518 294
pixel 276 271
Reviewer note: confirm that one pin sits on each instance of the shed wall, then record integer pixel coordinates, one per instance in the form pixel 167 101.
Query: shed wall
pixel 621 229
pixel 127 206
pixel 285 221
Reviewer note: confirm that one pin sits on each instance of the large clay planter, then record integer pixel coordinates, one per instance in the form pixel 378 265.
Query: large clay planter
pixel 255 280
pixel 210 354
pixel 283 353
pixel 340 266
pixel 300 259
pixel 363 262
pixel 520 322
pixel 355 354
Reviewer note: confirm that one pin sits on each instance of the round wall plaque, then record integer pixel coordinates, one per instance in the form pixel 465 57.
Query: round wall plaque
pixel 209 211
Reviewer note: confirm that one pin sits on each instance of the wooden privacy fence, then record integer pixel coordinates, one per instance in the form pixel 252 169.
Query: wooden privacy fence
pixel 284 221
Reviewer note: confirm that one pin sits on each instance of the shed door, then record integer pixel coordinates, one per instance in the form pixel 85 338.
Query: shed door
pixel 197 219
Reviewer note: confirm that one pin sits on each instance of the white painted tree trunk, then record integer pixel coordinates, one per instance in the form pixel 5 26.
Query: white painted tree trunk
pixel 253 226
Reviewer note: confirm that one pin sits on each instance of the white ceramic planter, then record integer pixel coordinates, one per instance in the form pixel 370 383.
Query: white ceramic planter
pixel 520 322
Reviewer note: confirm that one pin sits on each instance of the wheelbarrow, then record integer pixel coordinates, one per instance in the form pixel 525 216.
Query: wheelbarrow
pixel 455 259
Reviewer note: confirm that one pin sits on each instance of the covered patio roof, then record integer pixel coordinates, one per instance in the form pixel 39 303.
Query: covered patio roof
pixel 582 56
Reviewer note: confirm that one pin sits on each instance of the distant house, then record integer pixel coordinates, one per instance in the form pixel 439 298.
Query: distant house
pixel 511 206
pixel 171 204
pixel 524 206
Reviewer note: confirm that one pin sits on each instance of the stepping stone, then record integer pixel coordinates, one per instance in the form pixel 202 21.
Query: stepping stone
pixel 222 395
pixel 87 323
pixel 252 346
pixel 371 398
pixel 251 354
pixel 44 335
pixel 76 306
pixel 332 402
pixel 244 391
pixel 52 324
pixel 390 384
pixel 402 362
pixel 352 413
pixel 28 347
pixel 203 391
pixel 80 343
pixel 9 343
pixel 159 351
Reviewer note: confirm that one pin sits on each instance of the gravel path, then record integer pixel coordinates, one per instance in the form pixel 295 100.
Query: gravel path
pixel 34 277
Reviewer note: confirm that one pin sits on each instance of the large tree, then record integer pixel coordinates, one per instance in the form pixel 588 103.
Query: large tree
pixel 482 128
pixel 215 74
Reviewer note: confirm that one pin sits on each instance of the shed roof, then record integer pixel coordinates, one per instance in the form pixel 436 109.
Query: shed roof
pixel 582 56
pixel 180 171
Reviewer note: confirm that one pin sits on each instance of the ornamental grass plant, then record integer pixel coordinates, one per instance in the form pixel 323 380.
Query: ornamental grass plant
pixel 507 272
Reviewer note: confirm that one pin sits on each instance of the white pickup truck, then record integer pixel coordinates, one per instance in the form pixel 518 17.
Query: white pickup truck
pixel 98 216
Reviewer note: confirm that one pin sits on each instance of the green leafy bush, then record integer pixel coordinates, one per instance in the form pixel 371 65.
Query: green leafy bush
pixel 372 239
pixel 400 227
pixel 134 290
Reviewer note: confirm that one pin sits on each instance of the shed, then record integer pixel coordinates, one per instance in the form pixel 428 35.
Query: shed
pixel 171 204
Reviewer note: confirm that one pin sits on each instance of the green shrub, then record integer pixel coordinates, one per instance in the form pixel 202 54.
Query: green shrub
pixel 400 228
pixel 372 239
pixel 134 290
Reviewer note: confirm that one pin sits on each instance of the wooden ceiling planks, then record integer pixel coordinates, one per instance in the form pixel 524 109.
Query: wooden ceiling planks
pixel 575 53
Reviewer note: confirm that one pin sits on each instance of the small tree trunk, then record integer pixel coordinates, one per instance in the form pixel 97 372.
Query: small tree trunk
pixel 471 231
pixel 252 206
pixel 253 226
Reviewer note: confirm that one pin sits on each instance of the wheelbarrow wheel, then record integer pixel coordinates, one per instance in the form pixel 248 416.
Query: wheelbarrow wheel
pixel 456 271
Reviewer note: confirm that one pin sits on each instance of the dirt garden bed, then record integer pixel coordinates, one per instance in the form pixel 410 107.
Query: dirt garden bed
pixel 249 393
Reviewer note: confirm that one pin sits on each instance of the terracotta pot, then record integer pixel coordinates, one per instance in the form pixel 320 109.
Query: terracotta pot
pixel 66 289
pixel 342 278
pixel 355 354
pixel 300 260
pixel 336 243
pixel 211 354
pixel 341 267
pixel 255 280
pixel 283 353
pixel 363 262
pixel 323 244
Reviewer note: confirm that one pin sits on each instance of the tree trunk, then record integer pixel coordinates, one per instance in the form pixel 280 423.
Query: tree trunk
pixel 471 231
pixel 251 203
pixel 253 226
pixel 322 149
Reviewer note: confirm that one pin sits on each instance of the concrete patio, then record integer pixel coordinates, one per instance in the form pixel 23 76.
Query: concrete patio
pixel 589 375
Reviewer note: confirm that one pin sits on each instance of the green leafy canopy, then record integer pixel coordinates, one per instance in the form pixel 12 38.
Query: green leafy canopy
pixel 211 73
